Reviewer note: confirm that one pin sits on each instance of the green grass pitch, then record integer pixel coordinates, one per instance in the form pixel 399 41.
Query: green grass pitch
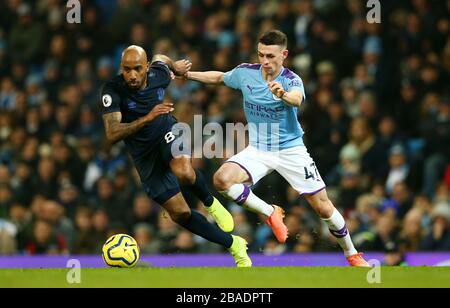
pixel 216 277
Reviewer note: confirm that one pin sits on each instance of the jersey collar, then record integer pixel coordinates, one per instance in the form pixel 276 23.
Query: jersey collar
pixel 278 76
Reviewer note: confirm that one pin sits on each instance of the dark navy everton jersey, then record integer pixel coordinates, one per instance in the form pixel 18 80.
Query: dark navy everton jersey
pixel 116 96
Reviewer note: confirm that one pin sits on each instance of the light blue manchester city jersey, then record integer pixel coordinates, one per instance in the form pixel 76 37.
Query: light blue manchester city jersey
pixel 273 124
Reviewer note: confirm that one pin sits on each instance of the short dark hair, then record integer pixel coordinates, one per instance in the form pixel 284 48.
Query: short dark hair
pixel 274 37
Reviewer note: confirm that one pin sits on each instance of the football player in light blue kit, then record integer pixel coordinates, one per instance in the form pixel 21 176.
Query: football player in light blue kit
pixel 272 95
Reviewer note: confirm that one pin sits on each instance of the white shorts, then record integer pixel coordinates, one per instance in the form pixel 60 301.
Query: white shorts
pixel 295 165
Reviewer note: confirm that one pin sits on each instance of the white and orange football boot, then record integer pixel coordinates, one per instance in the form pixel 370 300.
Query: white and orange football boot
pixel 275 221
pixel 357 260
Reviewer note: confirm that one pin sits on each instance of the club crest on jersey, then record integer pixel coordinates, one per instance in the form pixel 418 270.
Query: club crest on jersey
pixel 107 100
pixel 132 104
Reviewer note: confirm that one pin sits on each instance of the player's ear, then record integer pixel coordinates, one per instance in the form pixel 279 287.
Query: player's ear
pixel 285 53
pixel 148 67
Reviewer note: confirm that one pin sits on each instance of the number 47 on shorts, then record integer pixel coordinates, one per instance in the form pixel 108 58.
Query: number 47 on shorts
pixel 312 172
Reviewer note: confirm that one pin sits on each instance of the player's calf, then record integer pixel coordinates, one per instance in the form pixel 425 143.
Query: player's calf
pixel 336 223
pixel 180 216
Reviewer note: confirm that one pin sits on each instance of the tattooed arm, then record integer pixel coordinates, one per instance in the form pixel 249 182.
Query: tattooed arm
pixel 116 131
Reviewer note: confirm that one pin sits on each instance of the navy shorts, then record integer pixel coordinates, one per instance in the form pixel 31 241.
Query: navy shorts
pixel 157 179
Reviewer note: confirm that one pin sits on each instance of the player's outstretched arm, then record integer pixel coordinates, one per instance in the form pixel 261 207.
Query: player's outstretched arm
pixel 179 68
pixel 210 77
pixel 116 131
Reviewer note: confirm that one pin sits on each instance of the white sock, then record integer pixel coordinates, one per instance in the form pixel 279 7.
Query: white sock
pixel 338 228
pixel 243 196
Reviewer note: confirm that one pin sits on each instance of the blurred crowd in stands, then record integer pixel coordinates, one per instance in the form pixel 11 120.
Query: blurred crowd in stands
pixel 376 120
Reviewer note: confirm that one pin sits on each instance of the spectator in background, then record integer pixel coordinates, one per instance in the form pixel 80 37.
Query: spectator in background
pixel 100 223
pixel 436 131
pixel 349 160
pixel 368 209
pixel 105 70
pixel 362 136
pixel 19 73
pixel 401 195
pixel 183 243
pixel 411 233
pixel 7 94
pixel 89 171
pixel 447 177
pixel 5 175
pixel 294 228
pixel 67 164
pixel 167 232
pixel 8 245
pixel 145 238
pixel 388 134
pixel 53 213
pixel 407 109
pixel 439 237
pixel 273 247
pixel 35 92
pixel 144 211
pixel 106 201
pixel 124 189
pixel 69 197
pixel 45 242
pixel 399 168
pixel 394 256
pixel 85 240
pixel 46 183
pixel 23 182
pixel 305 242
pixel 88 126
pixel 386 234
pixel 350 187
pixel 4 65
pixel 22 218
pixel 6 199
pixel 52 79
pixel 26 37
pixel 348 97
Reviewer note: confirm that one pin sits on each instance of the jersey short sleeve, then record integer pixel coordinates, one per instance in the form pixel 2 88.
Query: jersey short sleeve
pixel 160 74
pixel 232 78
pixel 296 84
pixel 109 100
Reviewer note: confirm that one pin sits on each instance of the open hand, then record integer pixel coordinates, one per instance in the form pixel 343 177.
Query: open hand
pixel 158 110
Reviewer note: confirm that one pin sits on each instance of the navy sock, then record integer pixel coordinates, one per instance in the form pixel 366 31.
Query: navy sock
pixel 198 224
pixel 201 190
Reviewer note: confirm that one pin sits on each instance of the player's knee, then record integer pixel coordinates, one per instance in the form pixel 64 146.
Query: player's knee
pixel 180 216
pixel 221 181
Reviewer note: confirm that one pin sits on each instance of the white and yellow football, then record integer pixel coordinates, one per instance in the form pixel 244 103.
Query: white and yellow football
pixel 120 250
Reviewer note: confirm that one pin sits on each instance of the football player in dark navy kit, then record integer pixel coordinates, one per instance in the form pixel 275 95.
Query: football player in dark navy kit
pixel 133 111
